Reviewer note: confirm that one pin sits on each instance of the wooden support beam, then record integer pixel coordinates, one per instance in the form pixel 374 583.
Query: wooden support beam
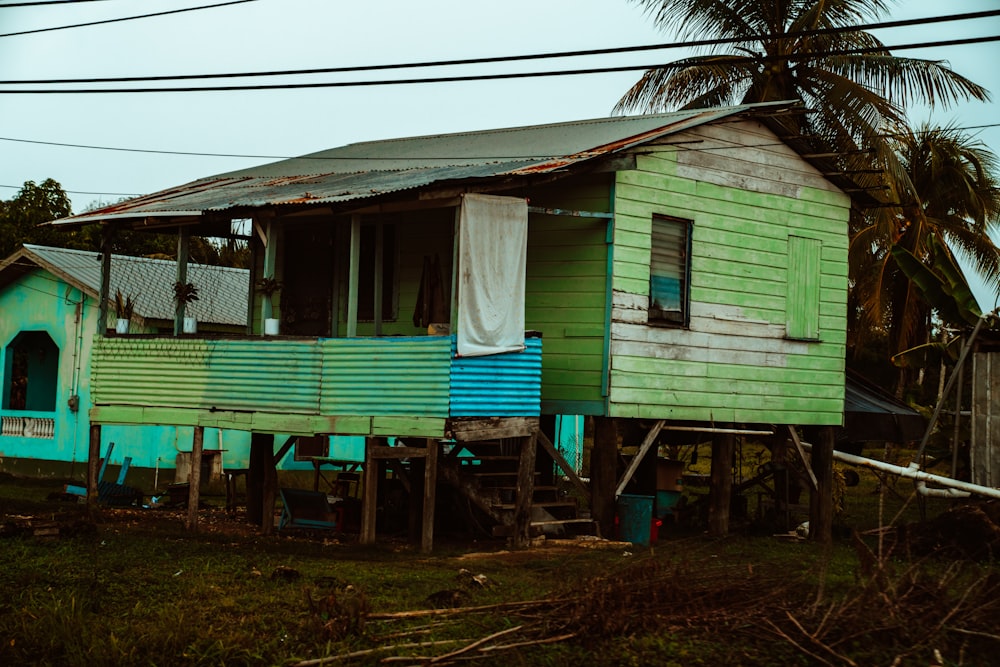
pixel 821 500
pixel 525 491
pixel 430 496
pixel 284 449
pixel 646 445
pixel 474 429
pixel 261 452
pixel 194 479
pixel 369 496
pixel 561 461
pixel 802 456
pixel 107 237
pixel 721 490
pixel 377 291
pixel 382 452
pixel 93 465
pixel 270 492
pixel 354 268
pixel 604 473
pixel 183 238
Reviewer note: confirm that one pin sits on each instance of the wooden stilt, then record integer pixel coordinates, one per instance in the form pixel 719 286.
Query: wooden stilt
pixel 821 500
pixel 430 493
pixel 261 452
pixel 93 465
pixel 270 495
pixel 194 479
pixel 525 491
pixel 720 495
pixel 369 493
pixel 604 473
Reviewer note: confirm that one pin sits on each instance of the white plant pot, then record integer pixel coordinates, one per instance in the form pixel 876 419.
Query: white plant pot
pixel 272 326
pixel 121 326
pixel 190 325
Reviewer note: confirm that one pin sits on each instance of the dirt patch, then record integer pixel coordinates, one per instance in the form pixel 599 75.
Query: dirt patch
pixel 970 531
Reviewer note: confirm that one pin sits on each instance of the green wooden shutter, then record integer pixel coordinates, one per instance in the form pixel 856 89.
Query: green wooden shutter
pixel 802 306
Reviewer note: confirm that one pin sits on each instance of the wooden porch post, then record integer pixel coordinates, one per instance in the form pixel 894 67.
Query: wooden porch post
pixel 352 277
pixel 430 493
pixel 261 451
pixel 182 261
pixel 525 491
pixel 270 492
pixel 107 236
pixel 194 480
pixel 720 494
pixel 604 473
pixel 93 465
pixel 821 499
pixel 270 259
pixel 377 306
pixel 369 494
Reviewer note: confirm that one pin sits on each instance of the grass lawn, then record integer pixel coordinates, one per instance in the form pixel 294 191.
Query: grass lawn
pixel 131 587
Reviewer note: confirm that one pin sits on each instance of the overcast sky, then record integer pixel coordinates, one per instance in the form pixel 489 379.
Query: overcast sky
pixel 296 34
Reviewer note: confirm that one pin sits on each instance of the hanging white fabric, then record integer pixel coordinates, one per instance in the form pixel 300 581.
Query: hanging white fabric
pixel 493 243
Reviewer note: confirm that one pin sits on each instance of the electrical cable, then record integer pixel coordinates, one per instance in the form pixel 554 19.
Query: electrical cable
pixel 496 77
pixel 123 18
pixel 45 2
pixel 518 58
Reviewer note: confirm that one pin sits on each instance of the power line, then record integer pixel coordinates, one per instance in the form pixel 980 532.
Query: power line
pixel 518 58
pixel 79 192
pixel 503 76
pixel 345 158
pixel 124 18
pixel 45 2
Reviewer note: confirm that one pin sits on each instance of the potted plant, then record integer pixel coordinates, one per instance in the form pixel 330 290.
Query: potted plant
pixel 268 286
pixel 124 307
pixel 185 293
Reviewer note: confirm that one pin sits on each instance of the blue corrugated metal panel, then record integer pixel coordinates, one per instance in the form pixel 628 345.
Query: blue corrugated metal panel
pixel 386 376
pixel 499 385
pixel 229 374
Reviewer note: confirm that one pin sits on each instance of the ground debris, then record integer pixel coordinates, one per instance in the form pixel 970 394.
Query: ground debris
pixel 968 531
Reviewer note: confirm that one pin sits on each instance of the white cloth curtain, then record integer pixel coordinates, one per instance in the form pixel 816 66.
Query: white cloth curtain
pixel 493 243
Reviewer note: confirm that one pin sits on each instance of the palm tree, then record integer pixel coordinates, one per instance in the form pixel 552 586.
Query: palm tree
pixel 855 98
pixel 953 202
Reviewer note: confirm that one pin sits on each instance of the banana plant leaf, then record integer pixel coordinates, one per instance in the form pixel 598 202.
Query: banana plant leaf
pixel 942 283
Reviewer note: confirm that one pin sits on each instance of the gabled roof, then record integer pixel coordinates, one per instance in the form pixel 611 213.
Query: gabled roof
pixel 373 168
pixel 222 292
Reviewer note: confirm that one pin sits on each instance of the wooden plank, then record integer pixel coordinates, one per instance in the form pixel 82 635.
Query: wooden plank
pixel 354 268
pixel 794 435
pixel 647 443
pixel 525 490
pixel 603 464
pixel 93 465
pixel 430 494
pixel 471 429
pixel 418 427
pixel 821 500
pixel 194 480
pixel 561 461
pixel 369 494
pixel 398 452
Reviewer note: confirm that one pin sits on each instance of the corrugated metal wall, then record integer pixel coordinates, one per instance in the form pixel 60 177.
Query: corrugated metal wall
pixel 500 385
pixel 386 376
pixel 231 374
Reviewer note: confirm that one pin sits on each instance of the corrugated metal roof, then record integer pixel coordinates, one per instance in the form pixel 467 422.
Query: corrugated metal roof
pixel 368 169
pixel 222 291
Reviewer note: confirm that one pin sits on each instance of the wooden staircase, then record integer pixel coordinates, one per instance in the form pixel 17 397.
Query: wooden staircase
pixel 486 472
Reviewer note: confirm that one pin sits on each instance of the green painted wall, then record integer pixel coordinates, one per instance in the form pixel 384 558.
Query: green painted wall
pixel 565 293
pixel 735 361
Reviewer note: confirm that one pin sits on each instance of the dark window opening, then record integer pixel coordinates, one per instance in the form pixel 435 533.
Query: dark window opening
pixel 670 270
pixel 31 373
pixel 308 447
pixel 366 273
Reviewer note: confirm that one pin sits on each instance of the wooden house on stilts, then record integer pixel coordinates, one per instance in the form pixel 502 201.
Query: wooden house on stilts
pixel 667 272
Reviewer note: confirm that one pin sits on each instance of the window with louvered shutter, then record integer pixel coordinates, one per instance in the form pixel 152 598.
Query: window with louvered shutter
pixel 669 270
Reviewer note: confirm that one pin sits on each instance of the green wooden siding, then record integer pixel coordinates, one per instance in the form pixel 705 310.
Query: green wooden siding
pixel 565 293
pixel 734 362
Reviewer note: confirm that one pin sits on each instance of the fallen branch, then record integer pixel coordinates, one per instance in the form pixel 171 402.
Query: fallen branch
pixel 474 645
pixel 532 642
pixel 372 651
pixel 387 616
pixel 817 642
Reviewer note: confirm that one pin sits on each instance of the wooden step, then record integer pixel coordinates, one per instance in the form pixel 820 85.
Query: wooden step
pixel 538 503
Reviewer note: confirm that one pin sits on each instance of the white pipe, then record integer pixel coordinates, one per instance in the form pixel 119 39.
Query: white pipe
pixel 914 472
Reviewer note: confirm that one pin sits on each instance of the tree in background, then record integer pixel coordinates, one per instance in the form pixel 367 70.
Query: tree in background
pixel 854 99
pixel 953 202
pixel 33 205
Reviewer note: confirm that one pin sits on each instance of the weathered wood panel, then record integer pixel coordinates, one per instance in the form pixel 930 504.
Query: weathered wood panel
pixel 735 361
pixel 985 445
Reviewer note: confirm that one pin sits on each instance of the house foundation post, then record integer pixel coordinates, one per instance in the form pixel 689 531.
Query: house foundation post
pixel 821 499
pixel 194 479
pixel 430 493
pixel 525 491
pixel 369 497
pixel 261 453
pixel 720 495
pixel 604 473
pixel 93 465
